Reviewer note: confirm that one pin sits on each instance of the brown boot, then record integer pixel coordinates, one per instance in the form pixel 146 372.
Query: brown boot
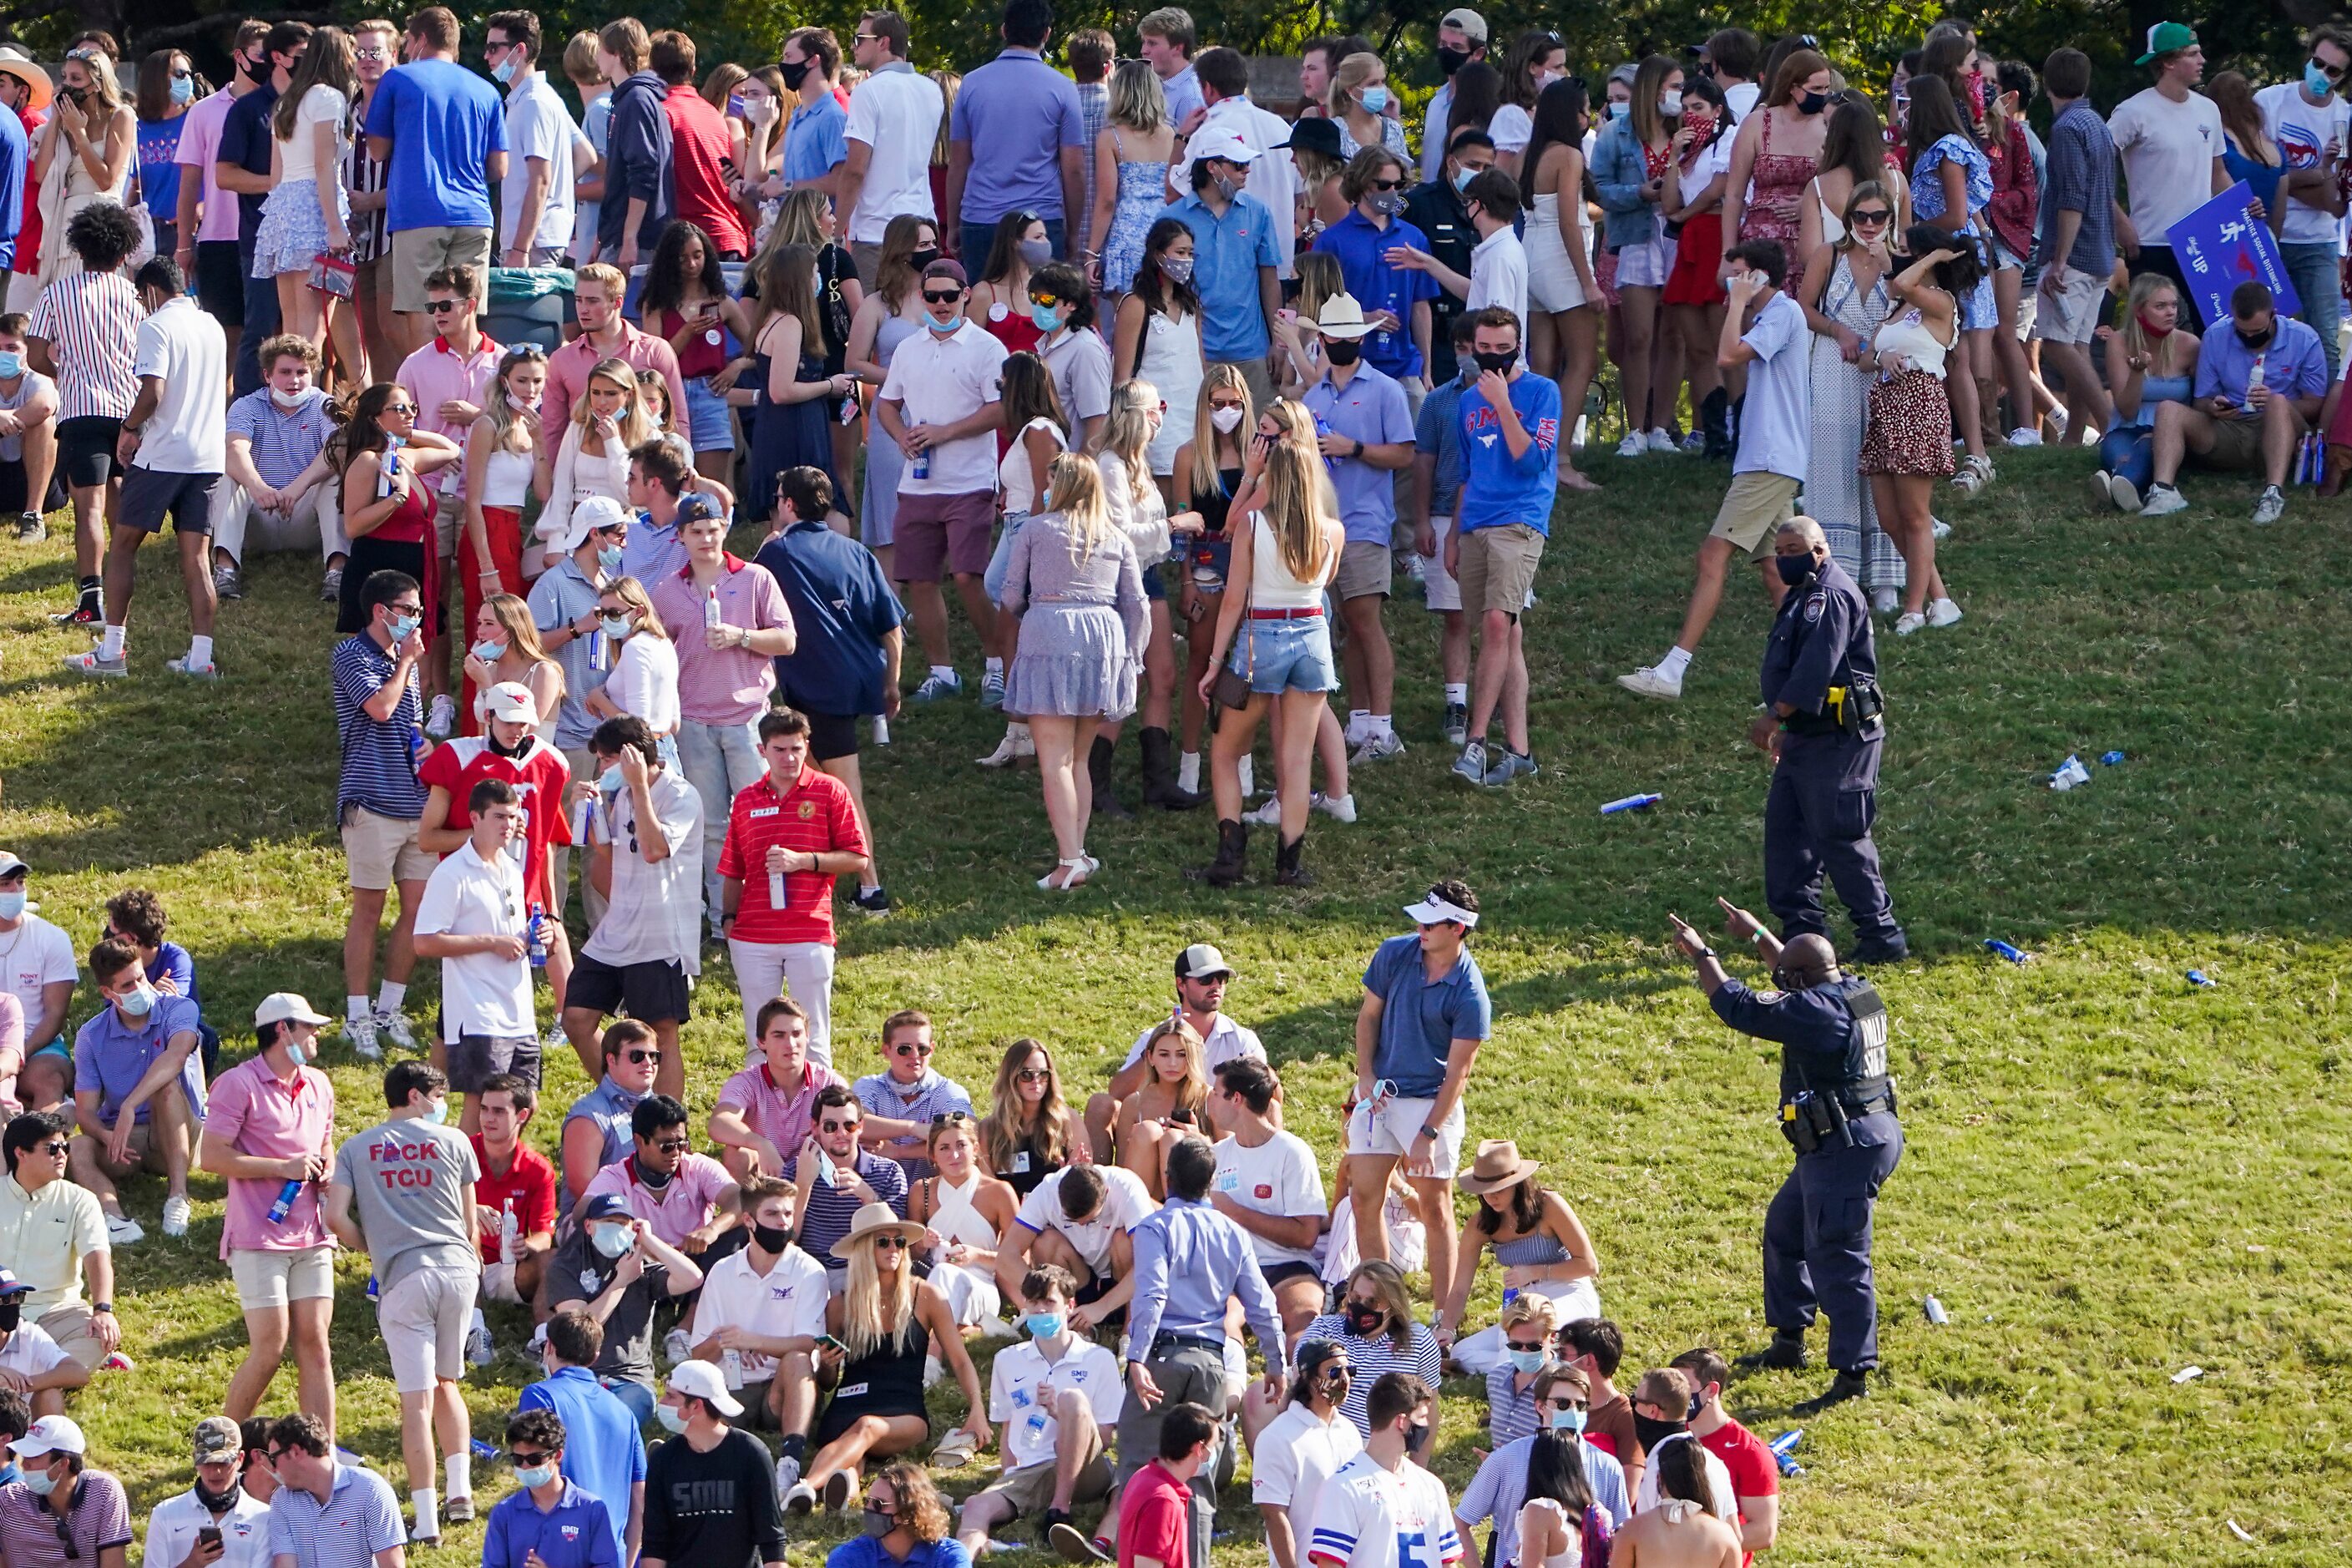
pixel 1230 867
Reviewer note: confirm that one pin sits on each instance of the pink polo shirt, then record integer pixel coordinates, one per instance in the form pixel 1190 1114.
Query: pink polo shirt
pixel 567 377
pixel 685 1204
pixel 437 372
pixel 730 685
pixel 782 1120
pixel 259 1114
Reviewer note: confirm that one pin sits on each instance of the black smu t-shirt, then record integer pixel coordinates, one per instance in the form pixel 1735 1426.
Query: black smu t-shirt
pixel 718 1509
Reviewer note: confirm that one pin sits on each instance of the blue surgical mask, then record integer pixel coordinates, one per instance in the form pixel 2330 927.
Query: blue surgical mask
pixel 614 1240
pixel 41 1483
pixel 1568 1420
pixel 610 780
pixel 2314 80
pixel 436 1111
pixel 1047 317
pixel 488 652
pixel 1462 176
pixel 296 1054
pixel 671 1416
pixel 402 627
pixel 1043 1325
pixel 609 557
pixel 183 89
pixel 504 70
pixel 535 1475
pixel 1376 100
pixel 139 1003
pixel 944 329
pixel 616 625
pixel 12 905
pixel 1526 1361
pixel 12 365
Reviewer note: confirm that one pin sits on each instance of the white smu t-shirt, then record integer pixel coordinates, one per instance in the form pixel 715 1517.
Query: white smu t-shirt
pixel 1020 1388
pixel 2167 150
pixel 1297 1455
pixel 1279 1177
pixel 35 954
pixel 1125 1200
pixel 1369 1516
pixel 788 1303
pixel 2305 133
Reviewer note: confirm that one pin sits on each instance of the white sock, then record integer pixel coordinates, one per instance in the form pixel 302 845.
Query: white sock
pixel 1671 667
pixel 1187 772
pixel 1359 722
pixel 391 996
pixel 944 671
pixel 1457 691
pixel 1249 777
pixel 425 1503
pixel 1380 725
pixel 199 652
pixel 110 645
pixel 459 1469
pixel 355 1006
pixel 484 1324
pixel 996 667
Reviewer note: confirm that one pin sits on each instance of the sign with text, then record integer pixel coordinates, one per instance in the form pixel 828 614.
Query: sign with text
pixel 2221 246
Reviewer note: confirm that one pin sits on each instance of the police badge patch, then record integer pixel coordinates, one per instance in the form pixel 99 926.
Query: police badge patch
pixel 1815 603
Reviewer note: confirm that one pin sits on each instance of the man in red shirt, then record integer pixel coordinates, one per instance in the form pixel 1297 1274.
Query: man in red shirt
pixel 788 836
pixel 1155 1511
pixel 700 150
pixel 508 750
pixel 514 1205
pixel 1755 1474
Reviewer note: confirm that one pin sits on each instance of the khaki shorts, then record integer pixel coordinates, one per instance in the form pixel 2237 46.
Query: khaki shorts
pixel 1365 570
pixel 2238 444
pixel 381 850
pixel 1755 505
pixel 1498 567
pixel 447 509
pixel 2071 314
pixel 418 253
pixel 424 1319
pixel 1391 1128
pixel 274 1278
pixel 69 1326
pixel 1030 1490
pixel 499 1284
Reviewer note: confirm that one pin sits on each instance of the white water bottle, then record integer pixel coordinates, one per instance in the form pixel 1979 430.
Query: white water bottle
pixel 710 615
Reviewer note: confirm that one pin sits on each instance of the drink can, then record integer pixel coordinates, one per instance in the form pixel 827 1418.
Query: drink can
pixel 372 1289
pixel 1935 1313
pixel 599 651
pixel 2015 955
pixel 2110 759
pixel 920 466
pixel 1784 1451
pixel 2202 980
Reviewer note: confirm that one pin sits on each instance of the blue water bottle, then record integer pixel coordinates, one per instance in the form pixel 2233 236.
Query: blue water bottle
pixel 1631 803
pixel 484 1451
pixel 2013 954
pixel 920 466
pixel 286 1195
pixel 1784 1451
pixel 2202 980
pixel 539 936
pixel 372 1294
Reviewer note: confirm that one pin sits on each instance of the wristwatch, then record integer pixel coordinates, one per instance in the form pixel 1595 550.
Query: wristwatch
pixel 1702 955
pixel 98 1307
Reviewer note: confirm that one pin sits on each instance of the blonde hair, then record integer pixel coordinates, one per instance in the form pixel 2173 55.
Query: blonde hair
pixel 99 67
pixel 1220 376
pixel 1001 1131
pixel 506 431
pixel 635 428
pixel 1348 76
pixel 1298 494
pixel 1528 1307
pixel 1138 101
pixel 801 220
pixel 1074 487
pixel 2137 344
pixel 1192 1090
pixel 632 593
pixel 867 1318
pixel 605 275
pixel 514 617
pixel 1127 431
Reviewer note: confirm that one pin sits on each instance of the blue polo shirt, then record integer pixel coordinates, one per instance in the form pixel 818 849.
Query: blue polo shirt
pixel 110 1057
pixel 245 141
pixel 577 1532
pixel 843 607
pixel 1437 433
pixel 865 1552
pixel 1498 489
pixel 1361 248
pixel 1226 254
pixel 1017 114
pixel 560 597
pixel 444 121
pixel 1371 408
pixel 604 1451
pixel 379 759
pixel 2294 364
pixel 1421 1019
pixel 817 140
pixel 653 550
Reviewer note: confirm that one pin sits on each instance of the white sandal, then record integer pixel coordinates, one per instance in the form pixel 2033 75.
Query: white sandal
pixel 1076 872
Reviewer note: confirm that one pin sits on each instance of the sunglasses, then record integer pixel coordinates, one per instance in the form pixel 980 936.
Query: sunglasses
pixel 56 1150
pixel 1565 1404
pixel 1386 185
pixel 890 1243
pixel 440 306
pixel 1525 1344
pixel 1034 1074
pixel 1050 302
pixel 640 1058
pixel 674 1145
pixel 837 1126
pixel 912 1050
pixel 1874 217
pixel 522 1460
pixel 950 297
pixel 373 52
pixel 2332 73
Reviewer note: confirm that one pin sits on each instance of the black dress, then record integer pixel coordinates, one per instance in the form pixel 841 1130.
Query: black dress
pixel 786 435
pixel 883 1382
pixel 1028 1167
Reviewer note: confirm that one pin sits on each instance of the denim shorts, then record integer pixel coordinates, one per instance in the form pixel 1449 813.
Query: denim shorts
pixel 1155 582
pixel 1286 656
pixel 708 426
pixel 1000 561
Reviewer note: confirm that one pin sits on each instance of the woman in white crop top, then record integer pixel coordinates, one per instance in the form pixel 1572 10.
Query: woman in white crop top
pixel 1907 446
pixel 1288 554
pixel 307 213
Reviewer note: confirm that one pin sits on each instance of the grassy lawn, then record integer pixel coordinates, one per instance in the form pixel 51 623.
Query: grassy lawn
pixel 2111 1175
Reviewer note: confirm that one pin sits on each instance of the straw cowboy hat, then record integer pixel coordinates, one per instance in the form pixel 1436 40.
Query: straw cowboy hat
pixel 872 1220
pixel 16 62
pixel 1497 1166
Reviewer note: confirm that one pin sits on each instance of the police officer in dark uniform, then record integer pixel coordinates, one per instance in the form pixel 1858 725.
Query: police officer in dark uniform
pixel 1837 1108
pixel 1823 720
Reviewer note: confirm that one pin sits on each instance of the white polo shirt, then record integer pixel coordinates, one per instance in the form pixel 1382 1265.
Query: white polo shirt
pixel 245 1531
pixel 1295 1455
pixel 184 348
pixel 481 993
pixel 539 125
pixel 30 1352
pixel 786 1302
pixel 939 380
pixel 896 112
pixel 1125 1200
pixel 1021 1385
pixel 1227 1041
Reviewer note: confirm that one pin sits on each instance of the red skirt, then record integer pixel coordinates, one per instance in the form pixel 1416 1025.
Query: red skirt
pixel 1700 252
pixel 1910 428
pixel 504 527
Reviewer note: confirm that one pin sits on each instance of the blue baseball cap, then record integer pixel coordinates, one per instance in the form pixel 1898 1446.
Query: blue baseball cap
pixel 607 1206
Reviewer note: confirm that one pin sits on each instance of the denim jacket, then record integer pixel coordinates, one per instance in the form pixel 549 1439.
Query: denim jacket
pixel 1620 169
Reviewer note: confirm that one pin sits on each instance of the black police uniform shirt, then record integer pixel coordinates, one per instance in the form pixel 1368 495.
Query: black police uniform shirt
pixel 1821 639
pixel 1823 1045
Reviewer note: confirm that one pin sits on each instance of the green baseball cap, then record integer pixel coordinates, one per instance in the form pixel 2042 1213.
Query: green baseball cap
pixel 2167 38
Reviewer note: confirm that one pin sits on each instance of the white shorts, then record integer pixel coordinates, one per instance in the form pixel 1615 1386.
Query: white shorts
pixel 1439 590
pixel 2071 315
pixel 274 1279
pixel 1391 1129
pixel 424 1319
pixel 499 1284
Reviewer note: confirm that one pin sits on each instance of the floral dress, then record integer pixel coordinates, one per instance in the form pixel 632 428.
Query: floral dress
pixel 1977 310
pixel 1142 196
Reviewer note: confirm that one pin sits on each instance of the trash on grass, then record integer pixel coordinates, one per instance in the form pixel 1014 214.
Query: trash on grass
pixel 2188 1374
pixel 1784 1451
pixel 2199 978
pixel 1935 1313
pixel 1631 803
pixel 2240 1531
pixel 2110 759
pixel 2015 955
pixel 2070 774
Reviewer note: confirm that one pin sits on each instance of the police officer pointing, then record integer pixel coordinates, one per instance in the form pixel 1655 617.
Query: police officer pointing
pixel 1823 722
pixel 1837 1108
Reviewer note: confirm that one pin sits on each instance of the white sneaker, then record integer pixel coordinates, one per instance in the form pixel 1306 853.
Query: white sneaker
pixel 2024 438
pixel 801 1499
pixel 360 1035
pixel 1909 621
pixel 122 1230
pixel 2163 500
pixel 678 1345
pixel 2272 506
pixel 393 1027
pixel 2123 493
pixel 480 1349
pixel 1942 613
pixel 176 1213
pixel 1634 445
pixel 1938 527
pixel 2100 493
pixel 1266 815
pixel 1663 441
pixel 1339 808
pixel 1885 601
pixel 788 1475
pixel 1376 748
pixel 1695 443
pixel 1648 682
pixel 442 717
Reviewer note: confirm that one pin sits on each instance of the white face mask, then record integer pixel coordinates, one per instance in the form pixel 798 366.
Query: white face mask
pixel 1670 104
pixel 289 400
pixel 1225 419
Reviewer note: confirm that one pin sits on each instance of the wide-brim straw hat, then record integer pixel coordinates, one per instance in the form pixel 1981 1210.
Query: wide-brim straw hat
pixel 1498 1165
pixel 872 1220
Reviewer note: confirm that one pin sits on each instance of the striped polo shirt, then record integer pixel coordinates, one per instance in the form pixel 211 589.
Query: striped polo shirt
pixel 1368 1359
pixel 814 816
pixel 359 1518
pixel 91 321
pixel 98 1518
pixel 283 441
pixel 379 765
pixel 918 1102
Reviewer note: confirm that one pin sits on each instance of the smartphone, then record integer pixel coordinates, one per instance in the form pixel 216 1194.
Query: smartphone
pixel 826 1341
pixel 208 1536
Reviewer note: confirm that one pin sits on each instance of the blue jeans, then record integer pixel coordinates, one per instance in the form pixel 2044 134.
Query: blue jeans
pixel 261 320
pixel 2129 453
pixel 635 1395
pixel 2312 268
pixel 1000 560
pixel 978 237
pixel 719 761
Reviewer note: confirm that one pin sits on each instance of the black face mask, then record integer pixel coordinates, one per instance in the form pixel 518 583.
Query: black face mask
pixel 1650 1433
pixel 1415 1435
pixel 654 1181
pixel 1793 569
pixel 1451 60
pixel 516 750
pixel 217 1502
pixel 922 258
pixel 2256 345
pixel 795 73
pixel 1342 350
pixel 1365 1321
pixel 1812 102
pixel 771 1238
pixel 11 1314
pixel 1500 363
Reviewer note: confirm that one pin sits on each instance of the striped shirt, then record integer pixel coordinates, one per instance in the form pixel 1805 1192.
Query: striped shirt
pixel 1094 113
pixel 364 175
pixel 283 443
pixel 98 1517
pixel 379 765
pixel 929 1096
pixel 359 1518
pixel 91 321
pixel 1510 1411
pixel 1369 1359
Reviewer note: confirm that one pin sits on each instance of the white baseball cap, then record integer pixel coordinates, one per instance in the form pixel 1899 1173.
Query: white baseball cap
pixel 288 1007
pixel 512 701
pixel 1219 141
pixel 594 513
pixel 700 1380
pixel 49 1435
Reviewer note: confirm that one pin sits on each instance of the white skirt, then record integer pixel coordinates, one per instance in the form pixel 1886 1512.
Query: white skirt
pixel 1483 1351
pixel 1552 282
pixel 1646 265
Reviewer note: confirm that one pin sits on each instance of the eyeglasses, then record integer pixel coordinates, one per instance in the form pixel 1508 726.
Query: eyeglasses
pixel 413 607
pixel 837 1126
pixel 438 306
pixel 639 1057
pixel 912 1049
pixel 950 297
pixel 674 1145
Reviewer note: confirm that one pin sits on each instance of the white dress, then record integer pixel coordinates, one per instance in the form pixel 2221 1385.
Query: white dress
pixel 1552 280
pixel 1170 361
pixel 972 1293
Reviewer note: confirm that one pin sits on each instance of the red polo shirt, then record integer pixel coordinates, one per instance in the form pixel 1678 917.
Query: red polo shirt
pixel 539 775
pixel 699 150
pixel 1754 1471
pixel 813 815
pixel 528 1187
pixel 1155 1518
